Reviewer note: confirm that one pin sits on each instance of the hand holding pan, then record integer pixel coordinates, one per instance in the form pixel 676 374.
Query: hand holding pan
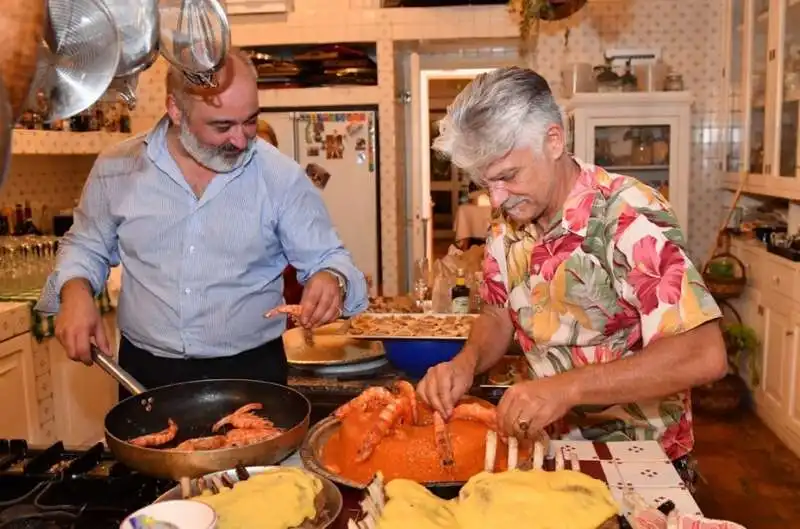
pixel 195 407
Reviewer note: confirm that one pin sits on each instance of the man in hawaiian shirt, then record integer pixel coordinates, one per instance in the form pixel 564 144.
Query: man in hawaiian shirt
pixel 587 271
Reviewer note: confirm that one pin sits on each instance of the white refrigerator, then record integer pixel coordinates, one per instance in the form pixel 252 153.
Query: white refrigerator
pixel 343 143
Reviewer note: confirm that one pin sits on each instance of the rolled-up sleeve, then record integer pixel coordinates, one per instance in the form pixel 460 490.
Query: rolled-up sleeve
pixel 87 249
pixel 311 243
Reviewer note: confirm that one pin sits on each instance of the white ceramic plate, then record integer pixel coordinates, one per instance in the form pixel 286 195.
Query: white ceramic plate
pixel 183 514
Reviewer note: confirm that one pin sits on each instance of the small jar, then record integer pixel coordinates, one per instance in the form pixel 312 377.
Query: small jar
pixel 673 83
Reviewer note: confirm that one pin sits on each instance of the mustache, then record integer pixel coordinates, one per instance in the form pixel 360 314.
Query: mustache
pixel 229 148
pixel 512 202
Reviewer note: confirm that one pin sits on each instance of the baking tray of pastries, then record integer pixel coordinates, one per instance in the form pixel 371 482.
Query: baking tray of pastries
pixel 374 326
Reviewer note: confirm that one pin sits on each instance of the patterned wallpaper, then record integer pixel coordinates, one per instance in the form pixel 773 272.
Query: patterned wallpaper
pixel 688 33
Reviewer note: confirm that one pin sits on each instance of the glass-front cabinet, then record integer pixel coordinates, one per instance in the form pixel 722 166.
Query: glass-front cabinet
pixel 762 83
pixel 641 134
pixel 735 129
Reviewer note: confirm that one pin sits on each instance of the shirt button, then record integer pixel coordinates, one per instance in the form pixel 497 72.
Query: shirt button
pixel 188 291
pixel 191 249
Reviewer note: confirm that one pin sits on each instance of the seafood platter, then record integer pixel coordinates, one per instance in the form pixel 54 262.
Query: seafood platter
pixel 375 326
pixel 387 430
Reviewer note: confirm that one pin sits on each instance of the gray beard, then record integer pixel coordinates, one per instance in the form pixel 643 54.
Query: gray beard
pixel 215 159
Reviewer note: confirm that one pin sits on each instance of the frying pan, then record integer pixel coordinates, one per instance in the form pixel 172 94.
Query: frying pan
pixel 195 407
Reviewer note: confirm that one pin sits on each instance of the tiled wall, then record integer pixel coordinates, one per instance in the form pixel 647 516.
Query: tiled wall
pixel 688 33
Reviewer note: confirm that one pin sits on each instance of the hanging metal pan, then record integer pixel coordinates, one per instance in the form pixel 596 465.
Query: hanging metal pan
pixel 138 24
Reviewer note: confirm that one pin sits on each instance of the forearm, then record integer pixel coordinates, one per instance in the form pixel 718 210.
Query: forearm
pixel 75 287
pixel 665 367
pixel 488 340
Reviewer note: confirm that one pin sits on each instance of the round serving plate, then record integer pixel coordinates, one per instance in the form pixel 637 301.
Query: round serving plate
pixel 346 369
pixel 330 348
pixel 332 495
pixel 317 438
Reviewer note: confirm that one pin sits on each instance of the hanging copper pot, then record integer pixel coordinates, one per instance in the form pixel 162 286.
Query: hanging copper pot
pixel 22 25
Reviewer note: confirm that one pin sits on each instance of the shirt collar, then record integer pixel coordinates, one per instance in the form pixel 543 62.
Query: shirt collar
pixel 578 206
pixel 156 142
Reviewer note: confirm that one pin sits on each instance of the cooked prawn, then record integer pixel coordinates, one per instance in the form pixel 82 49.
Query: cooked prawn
pixel 475 412
pixel 291 310
pixel 294 312
pixel 202 443
pixel 407 391
pixel 244 437
pixel 443 444
pixel 244 418
pixel 372 395
pixel 387 419
pixel 158 438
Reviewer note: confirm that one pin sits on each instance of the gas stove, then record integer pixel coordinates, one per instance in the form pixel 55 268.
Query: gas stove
pixel 59 487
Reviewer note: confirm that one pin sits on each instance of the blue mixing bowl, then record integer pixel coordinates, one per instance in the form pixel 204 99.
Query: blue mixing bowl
pixel 414 357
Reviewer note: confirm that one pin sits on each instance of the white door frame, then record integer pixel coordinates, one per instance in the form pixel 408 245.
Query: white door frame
pixel 422 244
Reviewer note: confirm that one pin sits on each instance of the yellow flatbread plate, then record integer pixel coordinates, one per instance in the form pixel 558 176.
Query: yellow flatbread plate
pixel 330 347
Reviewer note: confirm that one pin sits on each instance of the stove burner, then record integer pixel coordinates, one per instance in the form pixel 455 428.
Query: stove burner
pixel 20 513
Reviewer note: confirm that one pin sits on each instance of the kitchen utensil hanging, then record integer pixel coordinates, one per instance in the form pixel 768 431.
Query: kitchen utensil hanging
pixel 195 37
pixel 78 58
pixel 138 27
pixel 123 89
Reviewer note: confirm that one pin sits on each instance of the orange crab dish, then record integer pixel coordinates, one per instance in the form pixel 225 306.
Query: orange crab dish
pixel 389 431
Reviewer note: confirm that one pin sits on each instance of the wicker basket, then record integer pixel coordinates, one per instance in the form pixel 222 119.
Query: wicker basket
pixel 727 284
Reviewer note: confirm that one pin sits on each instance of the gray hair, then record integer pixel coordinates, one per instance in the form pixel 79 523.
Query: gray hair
pixel 499 111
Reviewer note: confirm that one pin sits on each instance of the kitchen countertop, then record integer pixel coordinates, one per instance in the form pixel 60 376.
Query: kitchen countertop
pixel 15 319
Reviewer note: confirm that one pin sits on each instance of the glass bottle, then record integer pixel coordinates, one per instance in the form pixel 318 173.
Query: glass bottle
pixel 459 294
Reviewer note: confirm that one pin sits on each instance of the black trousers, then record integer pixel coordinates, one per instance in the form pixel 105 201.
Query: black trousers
pixel 266 362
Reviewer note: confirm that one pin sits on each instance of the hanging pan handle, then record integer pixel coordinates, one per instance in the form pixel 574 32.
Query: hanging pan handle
pixel 116 372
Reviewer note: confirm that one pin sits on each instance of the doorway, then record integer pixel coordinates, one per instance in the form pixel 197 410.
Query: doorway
pixel 439 187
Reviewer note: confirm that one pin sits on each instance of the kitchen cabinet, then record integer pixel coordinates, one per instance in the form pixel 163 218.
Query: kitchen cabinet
pixel 19 414
pixel 81 395
pixel 762 89
pixel 771 306
pixel 641 134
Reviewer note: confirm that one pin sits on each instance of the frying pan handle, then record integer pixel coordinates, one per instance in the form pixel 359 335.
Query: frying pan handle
pixel 116 372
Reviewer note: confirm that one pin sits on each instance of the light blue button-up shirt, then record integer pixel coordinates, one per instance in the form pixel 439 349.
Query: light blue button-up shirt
pixel 198 274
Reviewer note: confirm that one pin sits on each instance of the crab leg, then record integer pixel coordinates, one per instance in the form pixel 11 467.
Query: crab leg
pixel 538 456
pixel 491 451
pixel 443 443
pixel 559 460
pixel 513 452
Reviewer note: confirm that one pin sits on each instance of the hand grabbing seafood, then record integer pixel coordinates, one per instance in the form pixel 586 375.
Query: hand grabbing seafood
pixel 294 312
pixel 246 428
pixel 387 430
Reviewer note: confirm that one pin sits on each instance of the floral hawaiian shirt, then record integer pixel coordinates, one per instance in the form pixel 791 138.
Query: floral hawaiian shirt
pixel 609 276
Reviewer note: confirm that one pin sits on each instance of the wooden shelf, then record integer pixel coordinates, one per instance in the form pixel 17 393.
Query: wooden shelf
pixel 626 169
pixel 39 142
pixel 787 192
pixel 326 96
